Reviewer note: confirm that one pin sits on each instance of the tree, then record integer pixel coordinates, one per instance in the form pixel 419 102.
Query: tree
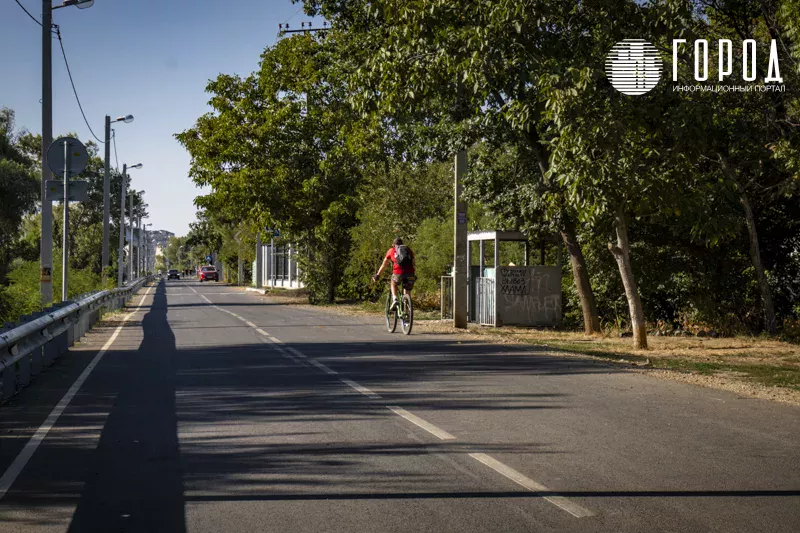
pixel 753 139
pixel 468 65
pixel 284 149
pixel 19 189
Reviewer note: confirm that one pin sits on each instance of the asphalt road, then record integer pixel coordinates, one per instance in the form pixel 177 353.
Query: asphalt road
pixel 214 411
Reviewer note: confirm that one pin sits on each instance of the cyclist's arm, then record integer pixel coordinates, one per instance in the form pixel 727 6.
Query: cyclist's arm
pixel 383 266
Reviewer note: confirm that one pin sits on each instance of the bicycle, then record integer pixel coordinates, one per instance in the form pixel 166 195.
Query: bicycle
pixel 404 311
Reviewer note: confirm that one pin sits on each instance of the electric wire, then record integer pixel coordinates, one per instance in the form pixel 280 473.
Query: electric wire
pixel 295 13
pixel 28 13
pixel 74 90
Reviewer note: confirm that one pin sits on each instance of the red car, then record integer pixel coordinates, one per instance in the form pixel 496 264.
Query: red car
pixel 207 273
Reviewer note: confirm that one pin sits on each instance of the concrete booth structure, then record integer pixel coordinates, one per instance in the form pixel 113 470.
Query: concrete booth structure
pixel 507 293
pixel 276 265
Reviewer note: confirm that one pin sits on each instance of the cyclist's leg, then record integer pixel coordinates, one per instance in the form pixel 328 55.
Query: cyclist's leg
pixel 394 289
pixel 408 283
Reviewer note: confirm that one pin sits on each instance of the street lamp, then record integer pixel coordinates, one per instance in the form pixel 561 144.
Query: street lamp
pixel 127 119
pixel 46 243
pixel 122 220
pixel 80 4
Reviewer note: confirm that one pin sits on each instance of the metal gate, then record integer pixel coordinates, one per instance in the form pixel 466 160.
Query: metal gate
pixel 447 297
pixel 484 301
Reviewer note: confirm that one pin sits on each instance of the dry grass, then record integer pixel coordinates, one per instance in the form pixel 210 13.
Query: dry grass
pixel 752 366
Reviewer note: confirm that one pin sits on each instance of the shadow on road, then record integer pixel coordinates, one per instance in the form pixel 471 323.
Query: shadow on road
pixel 134 480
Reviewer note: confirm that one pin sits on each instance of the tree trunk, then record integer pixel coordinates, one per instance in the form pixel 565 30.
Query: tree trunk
pixel 755 252
pixel 755 256
pixel 591 321
pixel 621 253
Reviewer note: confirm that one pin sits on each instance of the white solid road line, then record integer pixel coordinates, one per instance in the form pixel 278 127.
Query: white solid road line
pixel 424 424
pixel 559 501
pixel 30 447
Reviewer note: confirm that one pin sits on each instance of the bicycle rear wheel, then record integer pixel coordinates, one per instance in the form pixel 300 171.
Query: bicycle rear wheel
pixel 391 315
pixel 408 314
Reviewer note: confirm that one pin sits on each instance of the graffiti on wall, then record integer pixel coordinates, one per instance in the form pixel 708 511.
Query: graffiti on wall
pixel 530 295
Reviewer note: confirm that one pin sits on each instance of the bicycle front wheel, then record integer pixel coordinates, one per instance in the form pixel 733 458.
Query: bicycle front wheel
pixel 391 315
pixel 408 314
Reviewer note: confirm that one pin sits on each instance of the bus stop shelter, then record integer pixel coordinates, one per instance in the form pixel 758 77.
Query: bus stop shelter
pixel 511 295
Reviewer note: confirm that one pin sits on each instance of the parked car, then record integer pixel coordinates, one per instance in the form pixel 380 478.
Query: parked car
pixel 207 273
pixel 173 274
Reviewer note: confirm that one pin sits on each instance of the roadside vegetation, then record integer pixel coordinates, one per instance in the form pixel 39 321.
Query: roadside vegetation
pixel 20 225
pixel 671 211
pixel 674 211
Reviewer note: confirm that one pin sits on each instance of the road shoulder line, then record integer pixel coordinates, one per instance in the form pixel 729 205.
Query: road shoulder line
pixel 16 467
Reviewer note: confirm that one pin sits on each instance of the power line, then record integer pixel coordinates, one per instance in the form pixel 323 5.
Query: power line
pixel 28 13
pixel 74 90
pixel 285 21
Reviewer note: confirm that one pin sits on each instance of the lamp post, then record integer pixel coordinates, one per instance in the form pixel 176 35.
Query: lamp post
pixel 130 246
pixel 46 243
pixel 133 266
pixel 120 265
pixel 127 119
pixel 146 249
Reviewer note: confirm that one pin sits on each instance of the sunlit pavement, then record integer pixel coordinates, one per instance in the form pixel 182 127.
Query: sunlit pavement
pixel 214 410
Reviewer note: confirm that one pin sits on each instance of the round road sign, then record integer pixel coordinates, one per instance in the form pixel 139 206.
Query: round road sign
pixel 78 157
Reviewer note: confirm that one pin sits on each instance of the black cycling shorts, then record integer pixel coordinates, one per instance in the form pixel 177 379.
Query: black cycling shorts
pixel 407 280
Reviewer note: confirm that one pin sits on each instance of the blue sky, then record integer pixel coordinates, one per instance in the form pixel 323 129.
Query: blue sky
pixel 148 58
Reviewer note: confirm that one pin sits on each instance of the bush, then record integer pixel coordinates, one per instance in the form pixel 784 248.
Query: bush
pixel 21 296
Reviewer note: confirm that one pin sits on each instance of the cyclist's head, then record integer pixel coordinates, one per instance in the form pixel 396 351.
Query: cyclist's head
pixel 398 241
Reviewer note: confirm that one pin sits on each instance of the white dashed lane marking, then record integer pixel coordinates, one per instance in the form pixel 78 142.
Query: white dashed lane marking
pixel 559 501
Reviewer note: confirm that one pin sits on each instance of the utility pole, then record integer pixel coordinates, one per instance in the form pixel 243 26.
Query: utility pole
pixel 130 246
pixel 122 224
pixel 460 245
pixel 305 27
pixel 127 119
pixel 46 245
pixel 106 201
pixel 138 246
pixel 259 273
pixel 46 242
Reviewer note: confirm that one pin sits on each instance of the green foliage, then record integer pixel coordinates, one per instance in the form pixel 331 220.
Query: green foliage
pixel 394 202
pixel 19 189
pixel 283 149
pixel 22 295
pixel 337 141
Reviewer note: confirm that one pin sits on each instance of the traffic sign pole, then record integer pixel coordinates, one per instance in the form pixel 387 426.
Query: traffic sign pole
pixel 65 156
pixel 65 229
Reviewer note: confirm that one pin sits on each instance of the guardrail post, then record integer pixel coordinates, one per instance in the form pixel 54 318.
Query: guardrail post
pixel 8 383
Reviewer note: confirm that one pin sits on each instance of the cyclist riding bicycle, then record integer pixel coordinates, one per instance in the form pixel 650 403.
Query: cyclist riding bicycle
pixel 402 259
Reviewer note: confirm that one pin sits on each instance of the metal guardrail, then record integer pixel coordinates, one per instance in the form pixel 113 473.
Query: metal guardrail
pixel 27 348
